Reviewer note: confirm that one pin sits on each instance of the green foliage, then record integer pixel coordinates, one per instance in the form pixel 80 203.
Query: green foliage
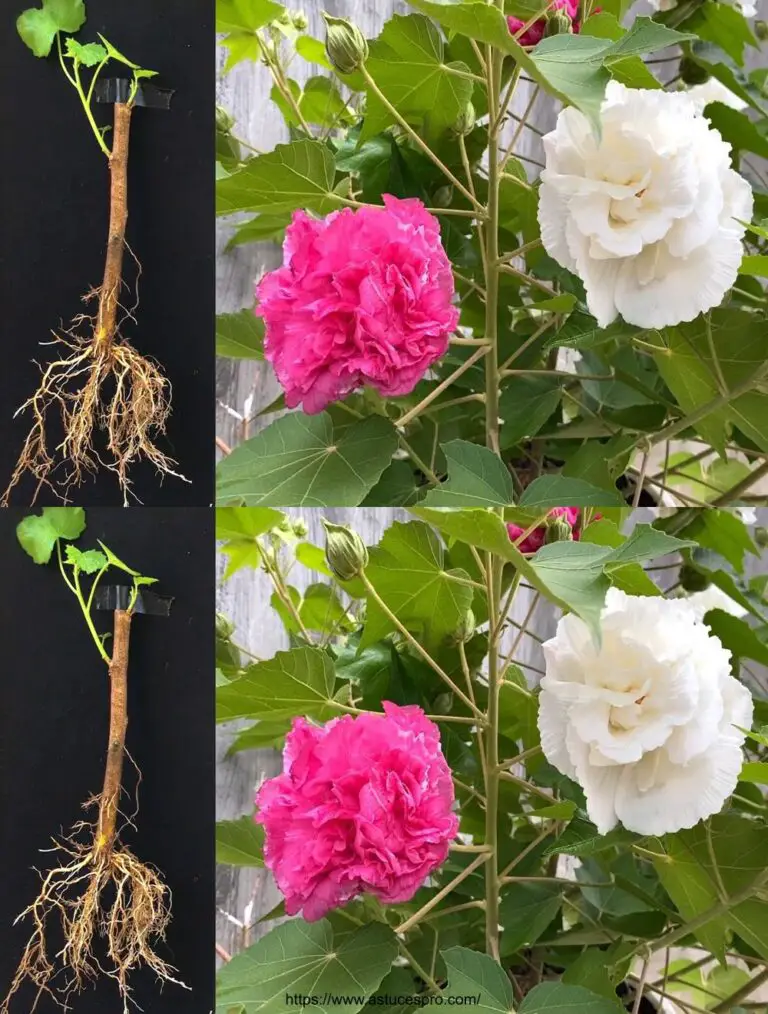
pixel 240 842
pixel 39 534
pixel 306 461
pixel 39 26
pixel 296 175
pixel 240 335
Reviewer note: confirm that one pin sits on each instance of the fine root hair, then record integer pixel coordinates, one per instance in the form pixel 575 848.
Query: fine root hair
pixel 111 910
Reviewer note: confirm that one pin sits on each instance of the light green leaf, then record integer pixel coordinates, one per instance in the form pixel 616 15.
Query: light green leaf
pixel 240 528
pixel 240 842
pixel 321 103
pixel 296 682
pixel 89 55
pixel 321 610
pixel 471 973
pixel 304 461
pixel 407 63
pixel 526 403
pixel 115 561
pixel 245 15
pixel 754 264
pixel 38 534
pixel 257 229
pixel 476 478
pixel 296 175
pixel 313 557
pixel 89 562
pixel 114 53
pixel 724 26
pixel 739 847
pixel 407 571
pixel 302 957
pixel 562 998
pixel 313 51
pixel 724 533
pixel 560 490
pixel 240 335
pixel 755 772
pixel 39 26
pixel 685 363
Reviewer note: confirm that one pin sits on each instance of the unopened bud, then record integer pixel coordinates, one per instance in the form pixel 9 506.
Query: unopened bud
pixel 691 72
pixel 443 196
pixel 465 629
pixel 558 530
pixel 284 19
pixel 345 45
pixel 300 21
pixel 465 121
pixel 225 121
pixel 761 536
pixel 345 552
pixel 761 30
pixel 692 579
pixel 300 528
pixel 225 628
pixel 558 23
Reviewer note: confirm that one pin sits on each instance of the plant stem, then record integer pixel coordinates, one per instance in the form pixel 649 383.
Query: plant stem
pixel 492 267
pixel 118 724
pixel 741 994
pixel 437 898
pixel 485 349
pixel 418 140
pixel 109 293
pixel 417 646
pixel 493 569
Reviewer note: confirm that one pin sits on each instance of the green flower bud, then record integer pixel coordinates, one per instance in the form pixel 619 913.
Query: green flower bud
pixel 761 536
pixel 558 23
pixel 345 552
pixel 443 196
pixel 225 628
pixel 691 72
pixel 465 629
pixel 558 530
pixel 225 121
pixel 300 21
pixel 761 30
pixel 465 122
pixel 285 19
pixel 300 528
pixel 345 45
pixel 692 579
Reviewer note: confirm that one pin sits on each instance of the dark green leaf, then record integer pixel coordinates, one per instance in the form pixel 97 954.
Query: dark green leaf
pixel 561 998
pixel 303 461
pixel 526 403
pixel 560 490
pixel 526 911
pixel 296 175
pixel 471 973
pixel 240 842
pixel 240 335
pixel 476 478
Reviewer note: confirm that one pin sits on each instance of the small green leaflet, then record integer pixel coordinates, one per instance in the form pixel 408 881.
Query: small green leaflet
pixel 304 461
pixel 89 55
pixel 89 562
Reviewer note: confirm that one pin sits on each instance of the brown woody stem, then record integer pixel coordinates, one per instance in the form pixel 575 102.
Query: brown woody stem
pixel 118 725
pixel 109 294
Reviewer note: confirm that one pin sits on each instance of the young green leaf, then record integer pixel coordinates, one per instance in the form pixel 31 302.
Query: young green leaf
pixel 39 26
pixel 89 562
pixel 88 55
pixel 38 534
pixel 240 842
pixel 476 478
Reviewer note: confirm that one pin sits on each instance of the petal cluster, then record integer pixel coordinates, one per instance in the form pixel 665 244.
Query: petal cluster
pixel 647 213
pixel 646 721
pixel 536 539
pixel 363 298
pixel 363 805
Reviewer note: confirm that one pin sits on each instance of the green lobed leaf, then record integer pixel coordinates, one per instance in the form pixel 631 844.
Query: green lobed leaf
pixel 526 403
pixel 407 63
pixel 407 569
pixel 564 998
pixel 302 957
pixel 476 478
pixel 38 534
pixel 245 15
pixel 304 461
pixel 39 26
pixel 737 636
pixel 240 335
pixel 738 130
pixel 556 490
pixel 471 973
pixel 295 682
pixel 240 842
pixel 88 55
pixel 296 175
pixel 724 533
pixel 724 26
pixel 239 528
pixel 525 912
pixel 89 562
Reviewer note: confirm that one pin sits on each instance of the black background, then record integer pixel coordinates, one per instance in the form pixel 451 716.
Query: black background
pixel 54 191
pixel 53 731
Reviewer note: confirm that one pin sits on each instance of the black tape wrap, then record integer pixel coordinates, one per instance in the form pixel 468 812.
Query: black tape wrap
pixel 112 597
pixel 112 90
